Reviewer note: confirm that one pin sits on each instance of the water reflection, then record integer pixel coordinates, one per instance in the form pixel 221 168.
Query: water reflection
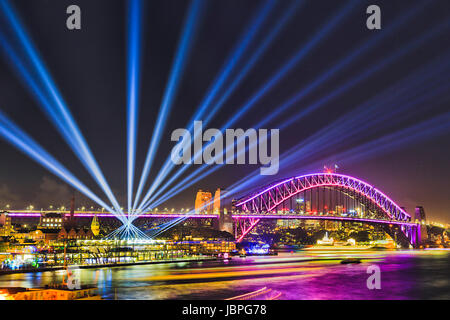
pixel 301 275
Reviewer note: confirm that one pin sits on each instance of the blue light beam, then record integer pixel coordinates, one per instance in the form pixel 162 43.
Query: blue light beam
pixel 223 75
pixel 133 84
pixel 322 101
pixel 287 16
pixel 303 51
pixel 15 136
pixel 374 109
pixel 182 55
pixel 51 102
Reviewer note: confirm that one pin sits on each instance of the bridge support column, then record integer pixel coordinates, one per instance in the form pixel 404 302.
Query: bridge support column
pixel 415 235
pixel 243 227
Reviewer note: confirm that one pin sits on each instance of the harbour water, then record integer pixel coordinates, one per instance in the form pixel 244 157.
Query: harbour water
pixel 312 274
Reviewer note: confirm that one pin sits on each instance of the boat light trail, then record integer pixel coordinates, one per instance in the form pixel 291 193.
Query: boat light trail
pixel 182 55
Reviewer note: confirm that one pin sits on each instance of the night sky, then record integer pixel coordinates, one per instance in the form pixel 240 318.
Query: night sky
pixel 89 67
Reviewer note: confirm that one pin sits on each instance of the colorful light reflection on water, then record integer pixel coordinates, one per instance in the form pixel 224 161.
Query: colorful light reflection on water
pixel 314 274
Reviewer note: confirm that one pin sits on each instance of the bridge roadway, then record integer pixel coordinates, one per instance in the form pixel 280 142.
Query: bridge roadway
pixel 87 214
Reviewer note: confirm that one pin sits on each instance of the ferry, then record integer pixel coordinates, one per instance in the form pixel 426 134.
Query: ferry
pixel 327 243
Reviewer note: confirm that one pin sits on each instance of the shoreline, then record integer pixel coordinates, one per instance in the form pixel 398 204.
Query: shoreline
pixel 106 265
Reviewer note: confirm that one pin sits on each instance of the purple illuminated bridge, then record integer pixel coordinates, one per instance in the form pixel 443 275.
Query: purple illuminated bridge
pixel 325 196
pixel 319 196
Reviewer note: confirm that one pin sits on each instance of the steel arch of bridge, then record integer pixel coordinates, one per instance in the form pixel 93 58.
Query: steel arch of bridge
pixel 266 200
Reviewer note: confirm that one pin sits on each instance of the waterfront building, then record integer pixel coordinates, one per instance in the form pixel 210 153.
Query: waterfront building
pixel 95 226
pixel 5 224
pixel 50 235
pixel 288 223
pixel 25 236
pixel 332 225
pixel 75 234
pixel 62 234
pixel 50 220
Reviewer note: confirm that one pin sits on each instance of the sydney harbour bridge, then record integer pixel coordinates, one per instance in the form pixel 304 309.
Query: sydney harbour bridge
pixel 318 196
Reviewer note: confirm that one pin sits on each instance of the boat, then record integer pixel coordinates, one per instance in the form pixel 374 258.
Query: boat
pixel 350 260
pixel 325 241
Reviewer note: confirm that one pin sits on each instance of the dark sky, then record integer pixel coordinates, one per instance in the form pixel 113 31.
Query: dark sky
pixel 89 67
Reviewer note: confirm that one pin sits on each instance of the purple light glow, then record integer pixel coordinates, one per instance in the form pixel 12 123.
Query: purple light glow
pixel 272 216
pixel 109 215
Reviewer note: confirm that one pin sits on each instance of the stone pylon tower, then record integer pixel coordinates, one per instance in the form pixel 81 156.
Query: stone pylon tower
pixel 216 203
pixel 421 218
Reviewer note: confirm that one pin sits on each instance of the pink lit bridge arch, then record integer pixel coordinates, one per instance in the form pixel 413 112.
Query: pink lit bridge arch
pixel 249 210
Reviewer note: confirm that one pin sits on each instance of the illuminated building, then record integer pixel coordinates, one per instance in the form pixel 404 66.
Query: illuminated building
pixel 50 221
pixel 25 237
pixel 203 202
pixel 95 226
pixel 76 234
pixel 308 206
pixel 288 223
pixel 331 225
pixel 339 209
pixel 5 224
pixel 300 205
